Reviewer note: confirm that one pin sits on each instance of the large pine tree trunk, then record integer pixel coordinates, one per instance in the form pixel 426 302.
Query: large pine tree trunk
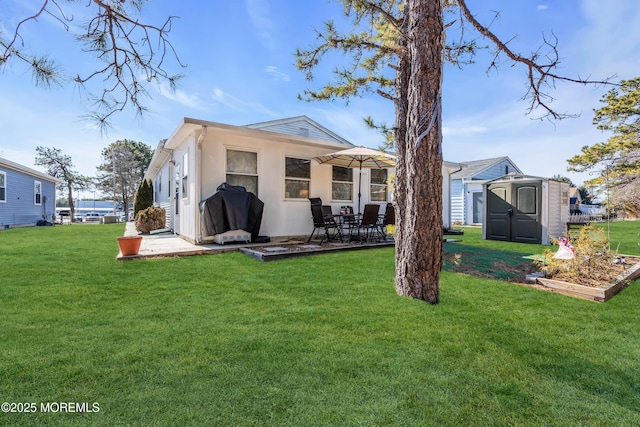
pixel 418 181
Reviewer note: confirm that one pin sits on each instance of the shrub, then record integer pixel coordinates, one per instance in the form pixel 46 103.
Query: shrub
pixel 144 197
pixel 149 219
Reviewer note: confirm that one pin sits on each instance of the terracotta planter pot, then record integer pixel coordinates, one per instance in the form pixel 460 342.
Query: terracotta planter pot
pixel 129 245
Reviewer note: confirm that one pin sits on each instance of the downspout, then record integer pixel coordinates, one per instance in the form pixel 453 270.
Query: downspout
pixel 198 182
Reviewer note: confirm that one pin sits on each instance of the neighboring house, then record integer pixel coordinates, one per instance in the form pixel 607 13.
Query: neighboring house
pixel 467 202
pixel 26 195
pixel 271 159
pixel 575 200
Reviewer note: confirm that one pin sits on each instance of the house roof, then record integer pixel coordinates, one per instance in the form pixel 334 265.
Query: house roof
pixel 299 126
pixel 475 167
pixel 273 130
pixel 20 168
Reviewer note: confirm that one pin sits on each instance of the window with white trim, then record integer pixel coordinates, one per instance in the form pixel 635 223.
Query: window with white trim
pixel 242 169
pixel 379 185
pixel 37 192
pixel 297 178
pixel 342 184
pixel 3 187
pixel 185 175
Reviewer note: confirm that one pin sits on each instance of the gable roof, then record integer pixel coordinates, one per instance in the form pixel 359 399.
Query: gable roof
pixel 475 167
pixel 300 126
pixel 20 168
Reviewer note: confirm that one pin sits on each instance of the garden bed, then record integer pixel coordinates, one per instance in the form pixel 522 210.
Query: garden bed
pixel 601 293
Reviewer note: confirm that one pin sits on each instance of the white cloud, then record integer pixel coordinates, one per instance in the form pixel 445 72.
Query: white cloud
pixel 180 96
pixel 249 109
pixel 276 75
pixel 260 15
pixel 542 7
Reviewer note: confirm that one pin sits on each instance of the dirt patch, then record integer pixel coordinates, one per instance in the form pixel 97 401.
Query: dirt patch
pixel 489 263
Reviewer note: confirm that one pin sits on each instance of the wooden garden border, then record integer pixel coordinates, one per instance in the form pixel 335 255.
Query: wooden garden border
pixel 600 294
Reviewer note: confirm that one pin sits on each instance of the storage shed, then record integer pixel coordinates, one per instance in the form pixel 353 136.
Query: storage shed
pixel 526 209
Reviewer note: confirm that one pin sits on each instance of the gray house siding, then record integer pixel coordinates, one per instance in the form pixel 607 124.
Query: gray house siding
pixel 20 207
pixel 300 126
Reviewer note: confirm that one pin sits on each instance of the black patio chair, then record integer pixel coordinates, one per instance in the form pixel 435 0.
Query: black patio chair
pixel 369 225
pixel 388 218
pixel 323 222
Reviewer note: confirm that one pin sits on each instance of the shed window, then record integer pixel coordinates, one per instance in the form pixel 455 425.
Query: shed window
pixel 378 185
pixel 342 184
pixel 37 192
pixel 297 178
pixel 3 187
pixel 242 169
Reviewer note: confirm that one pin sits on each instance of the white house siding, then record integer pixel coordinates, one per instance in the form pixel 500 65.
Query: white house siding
pixel 162 193
pixel 281 216
pixel 471 188
pixel 457 201
pixel 206 144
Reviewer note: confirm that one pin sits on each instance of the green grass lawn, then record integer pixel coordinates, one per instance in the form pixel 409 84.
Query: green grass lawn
pixel 324 340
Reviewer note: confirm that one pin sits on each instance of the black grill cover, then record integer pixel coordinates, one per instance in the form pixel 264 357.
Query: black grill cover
pixel 232 208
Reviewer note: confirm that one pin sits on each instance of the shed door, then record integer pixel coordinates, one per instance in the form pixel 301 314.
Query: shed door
pixel 498 205
pixel 525 222
pixel 513 212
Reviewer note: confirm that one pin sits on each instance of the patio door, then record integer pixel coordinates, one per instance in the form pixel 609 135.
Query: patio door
pixel 513 212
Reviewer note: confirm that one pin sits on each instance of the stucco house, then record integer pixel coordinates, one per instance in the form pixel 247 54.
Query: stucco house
pixel 271 159
pixel 26 195
pixel 467 200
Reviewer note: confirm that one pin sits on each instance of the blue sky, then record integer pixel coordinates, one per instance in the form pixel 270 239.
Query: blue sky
pixel 241 70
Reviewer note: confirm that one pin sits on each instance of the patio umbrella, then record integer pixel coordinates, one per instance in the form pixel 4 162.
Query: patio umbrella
pixel 359 157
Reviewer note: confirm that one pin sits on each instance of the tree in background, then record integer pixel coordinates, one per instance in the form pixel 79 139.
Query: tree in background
pixel 122 171
pixel 616 161
pixel 586 195
pixel 128 52
pixel 144 197
pixel 61 166
pixel 397 50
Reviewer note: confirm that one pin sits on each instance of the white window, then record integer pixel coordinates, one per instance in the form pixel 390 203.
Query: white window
pixel 378 185
pixel 3 187
pixel 297 177
pixel 185 175
pixel 342 184
pixel 242 169
pixel 37 192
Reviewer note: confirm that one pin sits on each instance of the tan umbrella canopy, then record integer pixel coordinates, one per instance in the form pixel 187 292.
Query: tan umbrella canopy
pixel 359 157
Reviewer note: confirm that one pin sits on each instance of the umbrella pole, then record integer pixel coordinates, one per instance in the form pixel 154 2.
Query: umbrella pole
pixel 359 186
